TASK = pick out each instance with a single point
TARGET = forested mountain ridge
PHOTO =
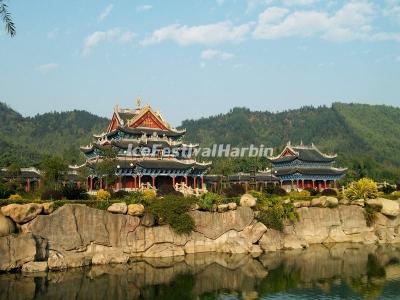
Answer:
(26, 140)
(365, 137)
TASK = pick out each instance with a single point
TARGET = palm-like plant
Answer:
(6, 16)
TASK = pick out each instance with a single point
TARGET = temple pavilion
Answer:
(149, 153)
(305, 167)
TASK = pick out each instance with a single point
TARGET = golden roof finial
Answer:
(138, 102)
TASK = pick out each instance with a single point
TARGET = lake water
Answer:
(321, 272)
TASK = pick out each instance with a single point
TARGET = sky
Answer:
(192, 59)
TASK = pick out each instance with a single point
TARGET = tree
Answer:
(6, 16)
(108, 165)
(54, 169)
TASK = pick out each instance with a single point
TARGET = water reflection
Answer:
(337, 271)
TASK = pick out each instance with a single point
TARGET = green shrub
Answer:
(103, 195)
(272, 217)
(136, 198)
(387, 189)
(299, 194)
(362, 189)
(15, 197)
(51, 194)
(167, 189)
(234, 190)
(207, 200)
(174, 211)
(370, 215)
(181, 224)
(121, 194)
(275, 190)
(313, 192)
(329, 192)
(5, 191)
(274, 213)
(72, 192)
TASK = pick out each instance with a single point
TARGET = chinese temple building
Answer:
(30, 178)
(149, 153)
(305, 167)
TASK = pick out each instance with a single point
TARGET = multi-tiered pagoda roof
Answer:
(132, 130)
(306, 164)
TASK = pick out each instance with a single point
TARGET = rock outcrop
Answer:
(22, 213)
(17, 250)
(7, 226)
(213, 225)
(76, 235)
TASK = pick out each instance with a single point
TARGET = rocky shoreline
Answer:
(76, 235)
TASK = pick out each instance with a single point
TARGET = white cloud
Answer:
(220, 2)
(144, 7)
(114, 34)
(127, 37)
(202, 34)
(46, 68)
(392, 10)
(209, 54)
(53, 33)
(353, 21)
(106, 11)
(298, 2)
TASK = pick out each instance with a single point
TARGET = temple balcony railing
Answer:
(299, 163)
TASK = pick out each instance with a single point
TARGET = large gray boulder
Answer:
(7, 226)
(135, 210)
(74, 227)
(213, 225)
(390, 208)
(22, 213)
(17, 250)
(248, 200)
(118, 208)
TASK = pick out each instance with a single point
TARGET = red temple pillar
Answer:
(302, 183)
(173, 181)
(101, 182)
(91, 183)
(40, 183)
(153, 181)
(292, 183)
(78, 184)
(313, 184)
(134, 182)
(334, 182)
(87, 183)
(324, 184)
(202, 181)
(140, 181)
(298, 183)
(194, 182)
(28, 185)
(186, 180)
(120, 182)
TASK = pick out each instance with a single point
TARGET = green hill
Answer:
(365, 137)
(27, 139)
